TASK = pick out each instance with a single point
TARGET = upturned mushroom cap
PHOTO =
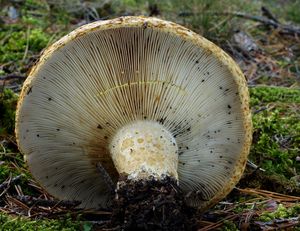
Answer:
(105, 75)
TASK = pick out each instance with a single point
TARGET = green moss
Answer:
(10, 223)
(12, 163)
(276, 139)
(8, 103)
(264, 94)
(15, 41)
(229, 226)
(4, 171)
(280, 213)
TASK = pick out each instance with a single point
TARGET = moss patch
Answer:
(8, 103)
(11, 223)
(280, 213)
(276, 139)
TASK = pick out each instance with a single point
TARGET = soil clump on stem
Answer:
(150, 205)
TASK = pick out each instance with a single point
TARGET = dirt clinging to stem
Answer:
(150, 205)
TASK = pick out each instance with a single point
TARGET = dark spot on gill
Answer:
(49, 99)
(220, 88)
(99, 126)
(57, 129)
(181, 128)
(197, 61)
(38, 135)
(162, 120)
(29, 90)
(105, 137)
(228, 106)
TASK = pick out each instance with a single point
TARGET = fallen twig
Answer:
(260, 110)
(279, 224)
(254, 166)
(29, 200)
(218, 224)
(10, 181)
(275, 196)
(285, 29)
(12, 76)
(267, 13)
(27, 44)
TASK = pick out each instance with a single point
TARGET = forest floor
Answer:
(263, 38)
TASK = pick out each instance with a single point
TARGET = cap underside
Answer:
(98, 82)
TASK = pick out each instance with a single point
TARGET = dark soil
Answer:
(150, 205)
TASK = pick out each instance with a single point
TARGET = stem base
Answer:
(150, 205)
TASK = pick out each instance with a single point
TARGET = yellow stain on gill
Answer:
(179, 88)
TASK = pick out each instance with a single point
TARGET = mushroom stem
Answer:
(145, 149)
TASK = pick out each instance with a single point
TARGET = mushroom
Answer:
(142, 97)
